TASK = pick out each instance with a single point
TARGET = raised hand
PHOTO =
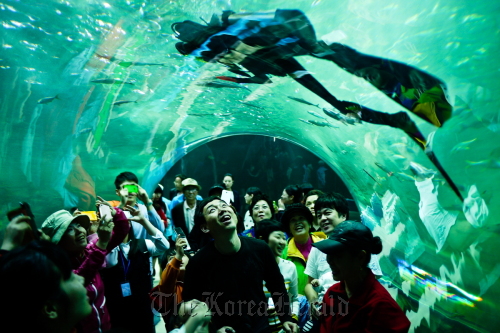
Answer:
(104, 232)
(290, 327)
(136, 214)
(142, 195)
(180, 243)
(101, 201)
(17, 233)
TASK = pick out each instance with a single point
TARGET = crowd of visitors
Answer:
(270, 268)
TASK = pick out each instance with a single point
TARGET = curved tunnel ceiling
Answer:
(64, 138)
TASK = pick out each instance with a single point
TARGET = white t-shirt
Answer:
(289, 272)
(156, 245)
(189, 215)
(248, 221)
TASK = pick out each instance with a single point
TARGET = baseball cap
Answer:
(350, 235)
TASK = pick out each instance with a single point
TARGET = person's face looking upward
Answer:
(79, 306)
(248, 198)
(228, 182)
(299, 226)
(277, 242)
(310, 201)
(328, 219)
(74, 240)
(286, 199)
(178, 184)
(219, 216)
(127, 198)
(261, 211)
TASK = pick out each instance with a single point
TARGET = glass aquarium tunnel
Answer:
(93, 88)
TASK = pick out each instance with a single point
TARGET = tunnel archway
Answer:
(263, 161)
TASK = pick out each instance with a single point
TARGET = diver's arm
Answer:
(295, 70)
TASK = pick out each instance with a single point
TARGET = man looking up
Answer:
(128, 189)
(228, 274)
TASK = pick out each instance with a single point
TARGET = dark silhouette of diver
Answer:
(265, 43)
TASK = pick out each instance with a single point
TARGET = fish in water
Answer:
(333, 114)
(316, 115)
(371, 177)
(217, 84)
(200, 114)
(123, 102)
(389, 173)
(462, 146)
(321, 123)
(111, 81)
(493, 164)
(303, 101)
(137, 63)
(399, 157)
(47, 100)
(350, 143)
(404, 176)
(129, 63)
(305, 121)
(337, 116)
(252, 105)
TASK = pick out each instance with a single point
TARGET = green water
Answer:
(64, 151)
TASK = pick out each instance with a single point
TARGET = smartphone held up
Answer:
(180, 234)
(105, 212)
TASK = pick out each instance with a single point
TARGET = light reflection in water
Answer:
(420, 278)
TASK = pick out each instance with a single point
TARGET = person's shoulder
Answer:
(204, 253)
(316, 255)
(380, 294)
(253, 242)
(286, 264)
(177, 205)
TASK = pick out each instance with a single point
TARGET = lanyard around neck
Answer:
(123, 260)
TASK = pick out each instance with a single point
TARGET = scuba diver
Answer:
(255, 45)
